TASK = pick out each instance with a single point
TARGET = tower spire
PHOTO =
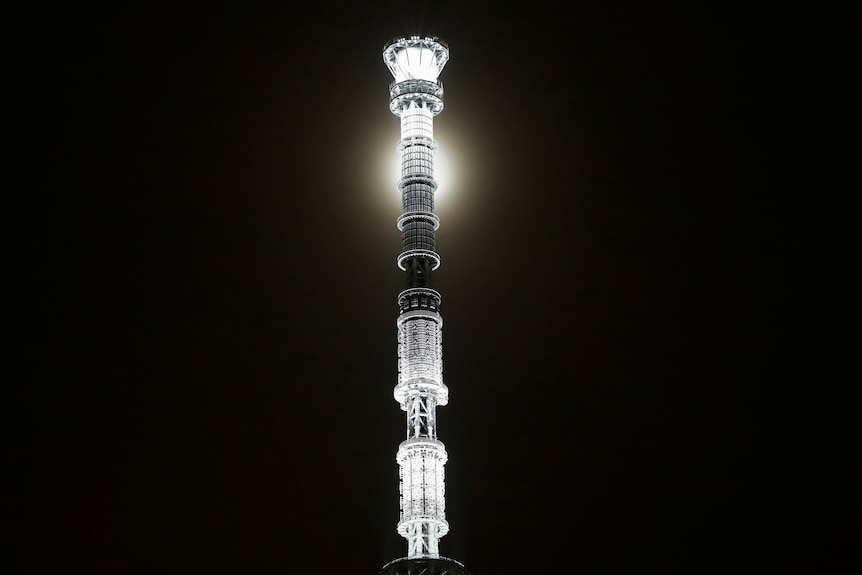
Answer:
(416, 96)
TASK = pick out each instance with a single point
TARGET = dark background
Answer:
(648, 283)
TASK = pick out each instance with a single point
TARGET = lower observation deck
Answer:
(406, 91)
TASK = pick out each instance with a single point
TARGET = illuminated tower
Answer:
(416, 96)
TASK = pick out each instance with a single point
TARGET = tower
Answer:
(416, 96)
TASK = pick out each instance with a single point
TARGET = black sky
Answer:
(648, 286)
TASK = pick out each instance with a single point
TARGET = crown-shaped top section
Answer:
(416, 58)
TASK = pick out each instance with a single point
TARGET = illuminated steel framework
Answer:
(416, 96)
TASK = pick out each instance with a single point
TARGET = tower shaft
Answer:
(416, 97)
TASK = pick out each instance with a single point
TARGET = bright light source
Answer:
(416, 58)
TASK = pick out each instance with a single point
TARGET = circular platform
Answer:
(424, 566)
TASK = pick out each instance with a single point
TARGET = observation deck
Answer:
(416, 58)
(415, 63)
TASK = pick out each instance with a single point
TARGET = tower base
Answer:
(424, 566)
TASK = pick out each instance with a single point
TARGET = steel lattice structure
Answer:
(416, 96)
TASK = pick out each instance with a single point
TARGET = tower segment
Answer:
(416, 96)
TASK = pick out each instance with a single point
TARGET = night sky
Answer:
(648, 287)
